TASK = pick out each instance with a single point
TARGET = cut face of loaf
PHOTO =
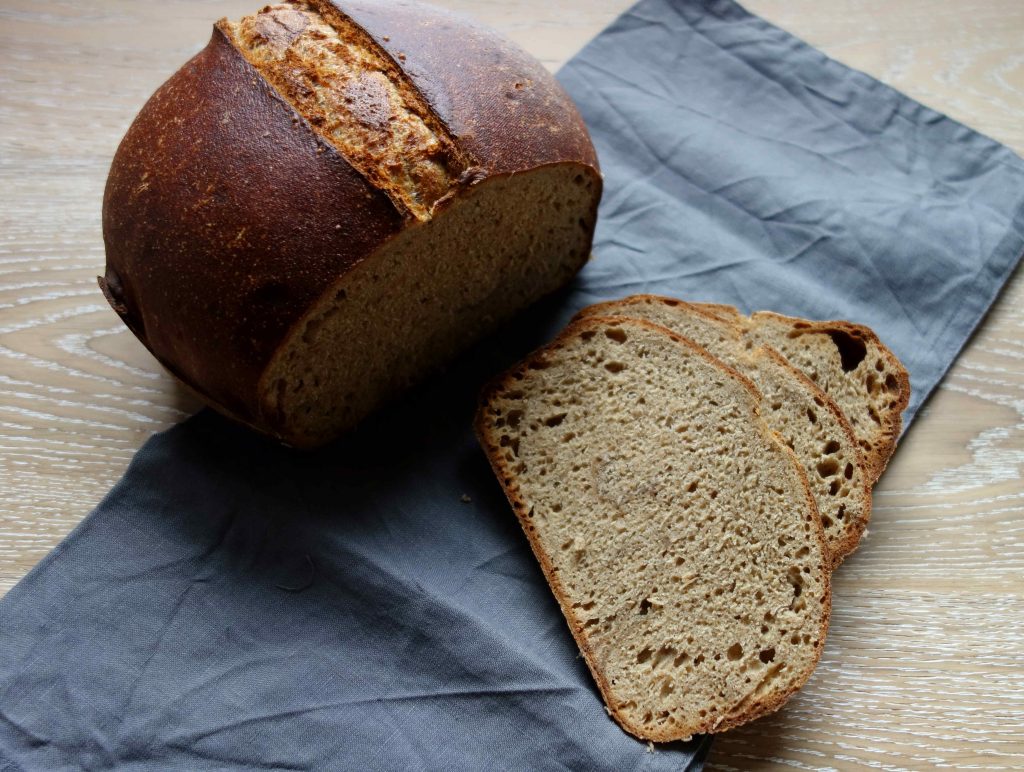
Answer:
(851, 364)
(675, 529)
(425, 296)
(804, 416)
(333, 199)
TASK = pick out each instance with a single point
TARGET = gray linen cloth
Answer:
(233, 604)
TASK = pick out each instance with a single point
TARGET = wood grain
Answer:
(922, 666)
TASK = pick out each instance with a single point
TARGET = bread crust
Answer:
(502, 106)
(507, 480)
(226, 217)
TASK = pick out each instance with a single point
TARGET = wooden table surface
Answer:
(924, 665)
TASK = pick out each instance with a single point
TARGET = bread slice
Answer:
(806, 418)
(847, 361)
(676, 530)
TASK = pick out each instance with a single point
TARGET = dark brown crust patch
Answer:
(356, 98)
(224, 218)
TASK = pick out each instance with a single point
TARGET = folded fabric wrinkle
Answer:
(236, 604)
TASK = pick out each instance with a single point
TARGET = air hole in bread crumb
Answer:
(830, 447)
(512, 444)
(614, 367)
(663, 655)
(645, 606)
(767, 655)
(587, 334)
(841, 512)
(828, 467)
(851, 348)
(643, 655)
(812, 416)
(735, 652)
(617, 335)
(555, 420)
(834, 487)
(692, 487)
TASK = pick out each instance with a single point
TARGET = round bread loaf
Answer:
(328, 202)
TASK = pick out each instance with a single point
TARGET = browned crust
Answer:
(837, 550)
(511, 488)
(720, 311)
(226, 217)
(884, 445)
(292, 77)
(503, 107)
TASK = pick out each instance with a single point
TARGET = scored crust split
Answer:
(675, 528)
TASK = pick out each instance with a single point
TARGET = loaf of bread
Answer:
(330, 200)
(849, 363)
(675, 528)
(803, 415)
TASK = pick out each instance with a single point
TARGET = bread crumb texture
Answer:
(355, 98)
(806, 418)
(854, 367)
(429, 292)
(676, 530)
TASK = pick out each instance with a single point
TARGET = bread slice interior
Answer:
(806, 418)
(676, 530)
(849, 363)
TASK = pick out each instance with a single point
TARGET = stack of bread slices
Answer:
(688, 478)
